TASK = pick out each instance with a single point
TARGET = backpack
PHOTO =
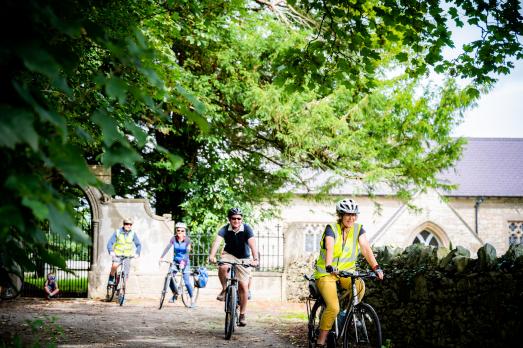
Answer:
(200, 277)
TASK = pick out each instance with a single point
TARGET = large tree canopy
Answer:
(202, 105)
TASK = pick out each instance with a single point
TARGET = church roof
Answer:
(490, 167)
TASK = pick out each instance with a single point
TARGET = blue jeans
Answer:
(186, 279)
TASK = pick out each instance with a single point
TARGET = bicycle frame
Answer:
(179, 285)
(120, 278)
(232, 310)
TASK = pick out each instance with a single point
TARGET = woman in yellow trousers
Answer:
(340, 246)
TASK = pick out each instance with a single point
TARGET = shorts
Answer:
(126, 264)
(242, 273)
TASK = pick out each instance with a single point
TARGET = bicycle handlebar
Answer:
(358, 274)
(346, 274)
(219, 263)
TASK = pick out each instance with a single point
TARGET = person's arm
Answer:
(252, 244)
(110, 244)
(189, 244)
(329, 248)
(138, 245)
(169, 245)
(369, 255)
(215, 245)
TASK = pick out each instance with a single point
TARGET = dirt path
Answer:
(139, 323)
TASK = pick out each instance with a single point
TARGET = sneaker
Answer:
(243, 322)
(221, 296)
(173, 299)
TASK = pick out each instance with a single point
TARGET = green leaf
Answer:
(69, 161)
(139, 134)
(116, 88)
(38, 208)
(109, 127)
(40, 61)
(45, 115)
(16, 126)
(119, 154)
(62, 223)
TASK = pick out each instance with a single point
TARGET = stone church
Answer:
(486, 206)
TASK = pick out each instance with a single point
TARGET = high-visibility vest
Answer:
(344, 254)
(124, 243)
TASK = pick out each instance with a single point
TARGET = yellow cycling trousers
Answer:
(327, 287)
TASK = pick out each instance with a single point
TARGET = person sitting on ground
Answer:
(51, 286)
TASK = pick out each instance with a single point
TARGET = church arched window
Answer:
(426, 237)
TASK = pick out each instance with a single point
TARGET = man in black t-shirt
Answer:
(239, 244)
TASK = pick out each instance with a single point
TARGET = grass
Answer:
(76, 285)
(295, 315)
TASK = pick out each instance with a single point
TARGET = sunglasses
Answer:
(235, 218)
(180, 230)
(127, 224)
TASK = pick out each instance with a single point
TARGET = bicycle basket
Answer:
(201, 277)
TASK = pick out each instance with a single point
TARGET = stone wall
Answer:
(147, 276)
(436, 298)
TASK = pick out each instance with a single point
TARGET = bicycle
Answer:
(232, 299)
(11, 283)
(357, 324)
(120, 279)
(179, 285)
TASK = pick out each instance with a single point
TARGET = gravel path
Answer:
(139, 323)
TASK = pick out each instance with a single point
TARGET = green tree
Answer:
(207, 104)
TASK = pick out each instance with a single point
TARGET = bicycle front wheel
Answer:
(121, 293)
(164, 291)
(230, 310)
(186, 299)
(363, 328)
(10, 285)
(314, 323)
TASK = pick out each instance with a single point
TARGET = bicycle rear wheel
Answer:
(363, 328)
(314, 322)
(10, 285)
(164, 291)
(112, 289)
(230, 310)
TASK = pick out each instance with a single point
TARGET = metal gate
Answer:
(73, 282)
(269, 242)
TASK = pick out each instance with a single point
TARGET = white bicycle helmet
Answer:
(347, 206)
(180, 225)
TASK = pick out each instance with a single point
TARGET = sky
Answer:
(499, 113)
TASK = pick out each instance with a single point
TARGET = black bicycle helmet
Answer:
(234, 211)
(347, 206)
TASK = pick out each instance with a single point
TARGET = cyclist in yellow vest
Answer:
(339, 249)
(123, 242)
